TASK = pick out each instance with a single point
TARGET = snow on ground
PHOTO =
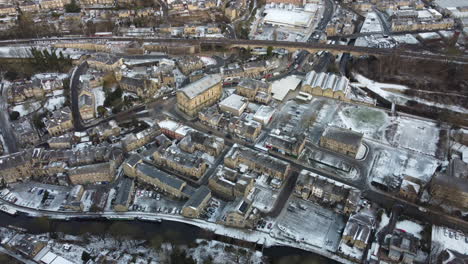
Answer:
(371, 122)
(2, 141)
(371, 24)
(396, 163)
(426, 139)
(446, 238)
(99, 96)
(223, 253)
(352, 252)
(384, 221)
(410, 227)
(296, 225)
(386, 90)
(405, 39)
(208, 60)
(54, 102)
(26, 108)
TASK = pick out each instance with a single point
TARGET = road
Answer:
(5, 126)
(74, 93)
(383, 21)
(327, 15)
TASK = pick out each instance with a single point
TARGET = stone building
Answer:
(257, 162)
(86, 102)
(180, 161)
(199, 94)
(60, 142)
(16, 166)
(124, 195)
(287, 145)
(255, 90)
(94, 173)
(133, 141)
(196, 140)
(359, 228)
(60, 121)
(240, 215)
(169, 184)
(326, 84)
(105, 62)
(195, 205)
(229, 183)
(341, 140)
(25, 132)
(311, 186)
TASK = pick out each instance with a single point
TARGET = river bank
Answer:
(168, 231)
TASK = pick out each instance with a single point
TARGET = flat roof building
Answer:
(234, 104)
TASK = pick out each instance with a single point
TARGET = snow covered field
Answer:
(418, 135)
(297, 225)
(396, 163)
(26, 108)
(371, 122)
(410, 227)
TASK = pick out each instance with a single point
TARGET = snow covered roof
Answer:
(289, 18)
(193, 89)
(234, 102)
(280, 88)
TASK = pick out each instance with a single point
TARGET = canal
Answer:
(166, 231)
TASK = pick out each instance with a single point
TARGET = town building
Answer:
(124, 194)
(16, 166)
(255, 90)
(401, 247)
(105, 62)
(25, 132)
(169, 184)
(86, 103)
(229, 183)
(257, 162)
(180, 161)
(133, 141)
(60, 142)
(195, 205)
(199, 94)
(234, 104)
(326, 84)
(240, 214)
(359, 229)
(286, 145)
(341, 140)
(59, 122)
(311, 186)
(94, 173)
(198, 141)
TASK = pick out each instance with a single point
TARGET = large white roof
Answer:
(288, 18)
(234, 101)
(280, 88)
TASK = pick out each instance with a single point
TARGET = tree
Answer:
(269, 51)
(102, 111)
(85, 256)
(14, 115)
(72, 7)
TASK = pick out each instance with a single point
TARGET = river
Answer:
(174, 232)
